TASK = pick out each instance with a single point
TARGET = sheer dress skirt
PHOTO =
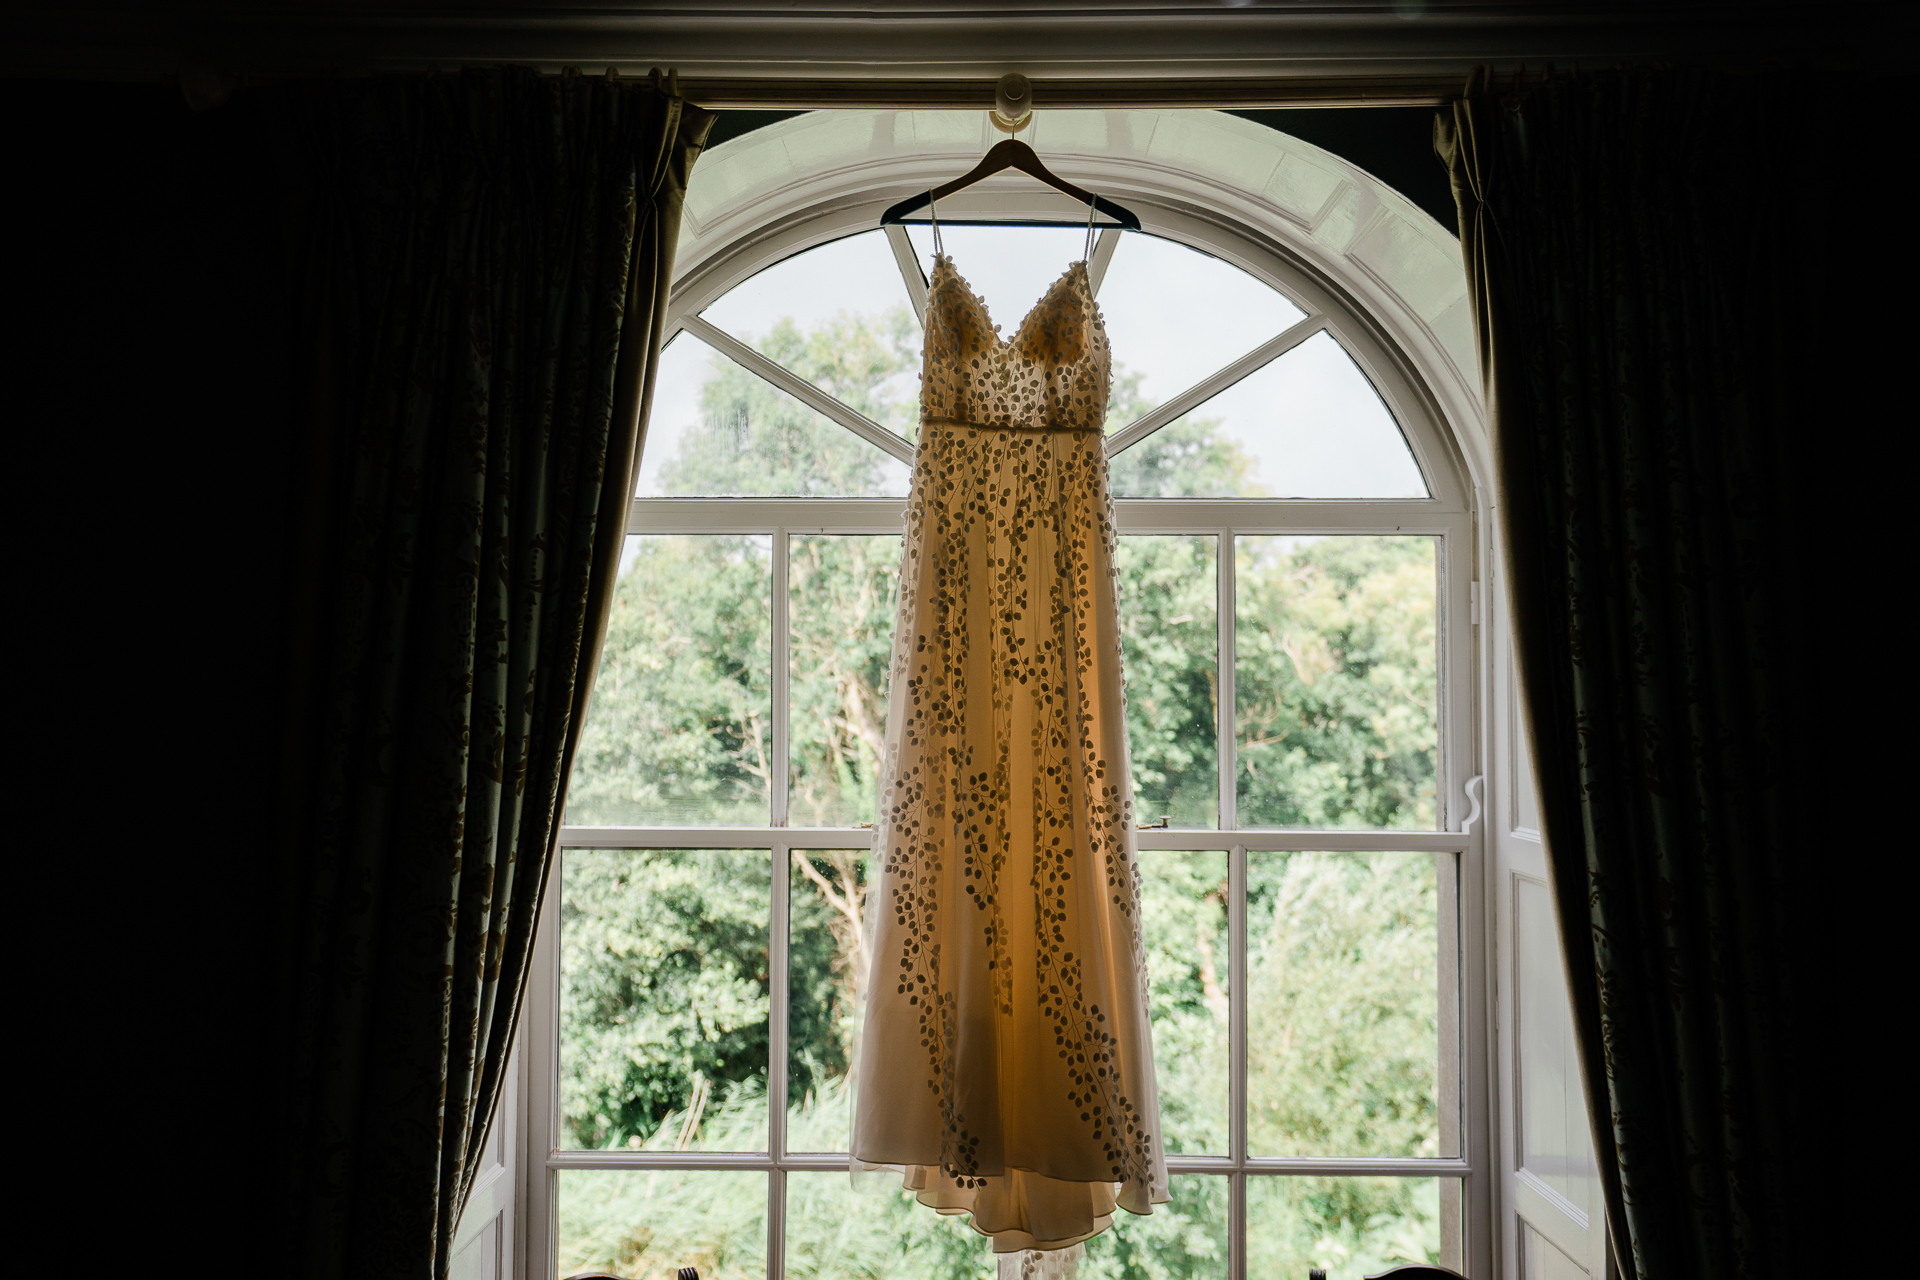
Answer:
(1006, 1066)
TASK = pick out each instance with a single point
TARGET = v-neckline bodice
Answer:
(1075, 272)
(1053, 373)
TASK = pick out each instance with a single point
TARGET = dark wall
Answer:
(146, 414)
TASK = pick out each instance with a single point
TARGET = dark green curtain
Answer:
(480, 271)
(1643, 285)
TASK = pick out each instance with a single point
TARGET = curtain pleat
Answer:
(481, 265)
(1638, 301)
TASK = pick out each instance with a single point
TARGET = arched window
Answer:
(1297, 531)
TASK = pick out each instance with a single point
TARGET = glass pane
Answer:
(1183, 911)
(855, 1229)
(1008, 267)
(664, 999)
(826, 1001)
(678, 732)
(1176, 315)
(854, 275)
(841, 610)
(1343, 1004)
(716, 430)
(842, 1230)
(1185, 1238)
(1170, 641)
(1309, 425)
(1349, 1227)
(837, 315)
(647, 1225)
(1336, 681)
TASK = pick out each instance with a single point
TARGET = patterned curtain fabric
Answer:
(1641, 305)
(481, 265)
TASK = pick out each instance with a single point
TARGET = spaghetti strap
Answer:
(1088, 255)
(933, 217)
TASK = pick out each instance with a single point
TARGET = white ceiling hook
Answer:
(1012, 103)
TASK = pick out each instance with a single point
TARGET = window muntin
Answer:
(1195, 892)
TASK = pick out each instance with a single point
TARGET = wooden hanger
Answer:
(1011, 154)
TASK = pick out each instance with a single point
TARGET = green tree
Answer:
(664, 991)
(842, 602)
(1337, 706)
(680, 728)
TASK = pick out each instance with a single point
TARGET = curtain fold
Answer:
(481, 264)
(1641, 304)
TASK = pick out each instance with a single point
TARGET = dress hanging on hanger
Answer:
(1006, 1067)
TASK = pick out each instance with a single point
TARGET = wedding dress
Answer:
(1006, 1068)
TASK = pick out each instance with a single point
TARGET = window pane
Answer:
(664, 999)
(1186, 1238)
(1343, 1035)
(826, 1000)
(856, 274)
(1336, 674)
(1309, 425)
(678, 732)
(1170, 641)
(842, 1230)
(841, 609)
(1183, 909)
(1008, 267)
(855, 1229)
(837, 315)
(1350, 1227)
(1175, 315)
(647, 1225)
(716, 430)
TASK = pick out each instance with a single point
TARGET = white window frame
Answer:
(1450, 515)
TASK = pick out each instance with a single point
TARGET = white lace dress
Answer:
(1006, 1067)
